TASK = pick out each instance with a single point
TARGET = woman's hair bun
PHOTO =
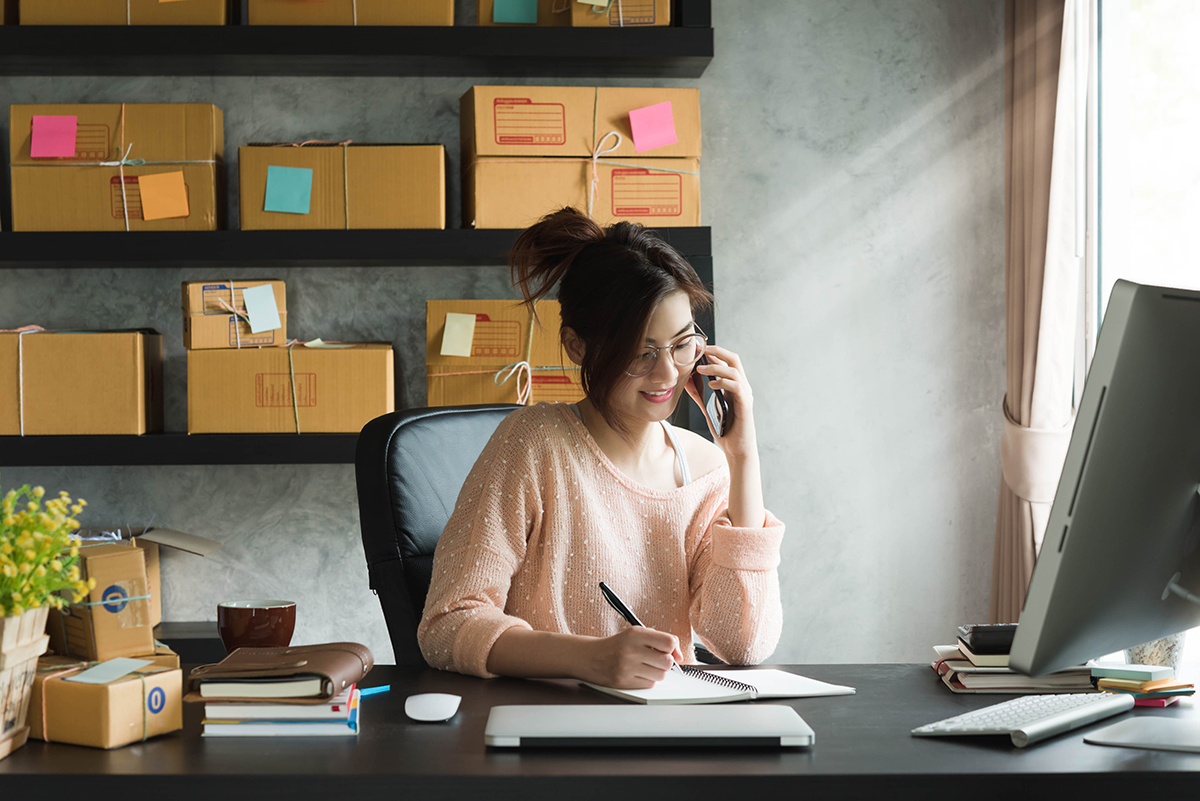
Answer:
(544, 251)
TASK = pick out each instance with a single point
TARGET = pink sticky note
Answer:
(53, 137)
(653, 126)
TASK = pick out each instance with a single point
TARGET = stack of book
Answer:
(1150, 685)
(964, 671)
(262, 718)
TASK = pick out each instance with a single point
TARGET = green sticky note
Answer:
(289, 189)
(520, 11)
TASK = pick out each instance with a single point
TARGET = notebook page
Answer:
(772, 683)
(677, 688)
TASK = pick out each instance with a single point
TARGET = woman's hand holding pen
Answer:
(634, 659)
(724, 372)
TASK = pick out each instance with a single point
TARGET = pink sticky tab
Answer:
(653, 126)
(53, 137)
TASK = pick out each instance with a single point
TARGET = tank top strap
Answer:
(679, 455)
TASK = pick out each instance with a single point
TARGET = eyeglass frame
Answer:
(696, 333)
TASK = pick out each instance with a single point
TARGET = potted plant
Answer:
(39, 553)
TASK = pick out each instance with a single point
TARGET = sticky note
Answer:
(108, 671)
(652, 126)
(521, 11)
(460, 331)
(289, 189)
(320, 343)
(163, 195)
(53, 137)
(601, 3)
(261, 308)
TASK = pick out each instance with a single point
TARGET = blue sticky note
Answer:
(520, 11)
(108, 671)
(289, 189)
(261, 308)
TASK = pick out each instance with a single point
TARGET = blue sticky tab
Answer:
(289, 189)
(519, 11)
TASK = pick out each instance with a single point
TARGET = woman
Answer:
(565, 496)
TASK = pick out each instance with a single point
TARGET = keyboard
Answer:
(1031, 718)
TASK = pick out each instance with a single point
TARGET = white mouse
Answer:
(431, 707)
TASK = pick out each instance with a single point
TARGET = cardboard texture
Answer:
(515, 193)
(342, 12)
(123, 12)
(133, 708)
(389, 186)
(501, 333)
(111, 626)
(557, 120)
(207, 324)
(250, 390)
(547, 15)
(81, 383)
(621, 13)
(48, 196)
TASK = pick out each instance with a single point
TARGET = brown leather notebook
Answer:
(303, 674)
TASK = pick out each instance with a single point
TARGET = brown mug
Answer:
(256, 623)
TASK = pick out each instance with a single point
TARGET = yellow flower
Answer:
(9, 519)
(17, 610)
(56, 565)
(91, 584)
(9, 570)
(32, 506)
(39, 492)
(40, 572)
(77, 508)
(30, 554)
(64, 494)
(26, 568)
(73, 573)
(82, 502)
(6, 548)
(75, 551)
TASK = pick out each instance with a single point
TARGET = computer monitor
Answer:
(1119, 564)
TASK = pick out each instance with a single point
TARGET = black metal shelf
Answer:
(667, 52)
(176, 448)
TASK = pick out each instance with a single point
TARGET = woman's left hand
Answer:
(725, 372)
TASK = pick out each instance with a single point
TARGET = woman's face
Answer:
(654, 396)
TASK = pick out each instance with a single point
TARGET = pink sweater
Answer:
(544, 516)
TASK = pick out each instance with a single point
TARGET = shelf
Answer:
(669, 52)
(452, 247)
(177, 449)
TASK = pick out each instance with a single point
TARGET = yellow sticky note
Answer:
(163, 196)
(460, 331)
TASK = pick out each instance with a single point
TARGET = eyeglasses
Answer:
(684, 352)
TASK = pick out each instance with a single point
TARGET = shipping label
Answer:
(520, 121)
(496, 337)
(632, 12)
(555, 388)
(249, 339)
(275, 389)
(646, 193)
(91, 142)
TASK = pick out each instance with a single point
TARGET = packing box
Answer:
(352, 12)
(388, 186)
(621, 13)
(48, 196)
(550, 13)
(501, 332)
(515, 193)
(337, 389)
(135, 707)
(123, 12)
(208, 324)
(163, 657)
(109, 626)
(103, 382)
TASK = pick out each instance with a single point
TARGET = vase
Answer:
(1167, 652)
(22, 640)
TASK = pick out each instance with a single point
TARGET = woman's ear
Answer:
(573, 345)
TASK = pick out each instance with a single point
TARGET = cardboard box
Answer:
(621, 13)
(123, 12)
(342, 12)
(250, 390)
(550, 14)
(389, 186)
(558, 120)
(135, 707)
(163, 657)
(208, 324)
(500, 336)
(48, 196)
(104, 382)
(109, 626)
(515, 193)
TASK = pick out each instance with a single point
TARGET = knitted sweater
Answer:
(544, 516)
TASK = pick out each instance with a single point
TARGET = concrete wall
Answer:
(853, 179)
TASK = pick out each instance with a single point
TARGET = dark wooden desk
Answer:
(863, 750)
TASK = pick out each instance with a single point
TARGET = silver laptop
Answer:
(721, 725)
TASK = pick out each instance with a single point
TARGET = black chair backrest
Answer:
(409, 467)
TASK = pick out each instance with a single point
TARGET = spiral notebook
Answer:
(697, 686)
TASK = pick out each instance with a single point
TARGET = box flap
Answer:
(192, 543)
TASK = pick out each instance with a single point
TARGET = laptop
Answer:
(707, 725)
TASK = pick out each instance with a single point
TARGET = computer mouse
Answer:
(431, 707)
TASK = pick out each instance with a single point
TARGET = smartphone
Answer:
(714, 401)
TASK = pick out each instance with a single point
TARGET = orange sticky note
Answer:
(163, 196)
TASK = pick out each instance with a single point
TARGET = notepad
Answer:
(697, 686)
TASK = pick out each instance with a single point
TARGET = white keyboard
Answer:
(1031, 718)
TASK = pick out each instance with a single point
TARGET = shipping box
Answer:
(550, 14)
(114, 620)
(76, 194)
(104, 382)
(352, 12)
(337, 389)
(208, 324)
(123, 12)
(499, 340)
(387, 186)
(130, 709)
(621, 14)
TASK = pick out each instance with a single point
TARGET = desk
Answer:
(863, 750)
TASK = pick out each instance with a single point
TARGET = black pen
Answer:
(625, 612)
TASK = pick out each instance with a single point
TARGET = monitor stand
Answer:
(1160, 734)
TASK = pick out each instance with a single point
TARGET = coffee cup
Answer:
(256, 623)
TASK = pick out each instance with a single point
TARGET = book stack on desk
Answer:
(268, 718)
(966, 672)
(1150, 685)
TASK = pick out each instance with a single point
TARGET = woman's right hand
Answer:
(634, 659)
